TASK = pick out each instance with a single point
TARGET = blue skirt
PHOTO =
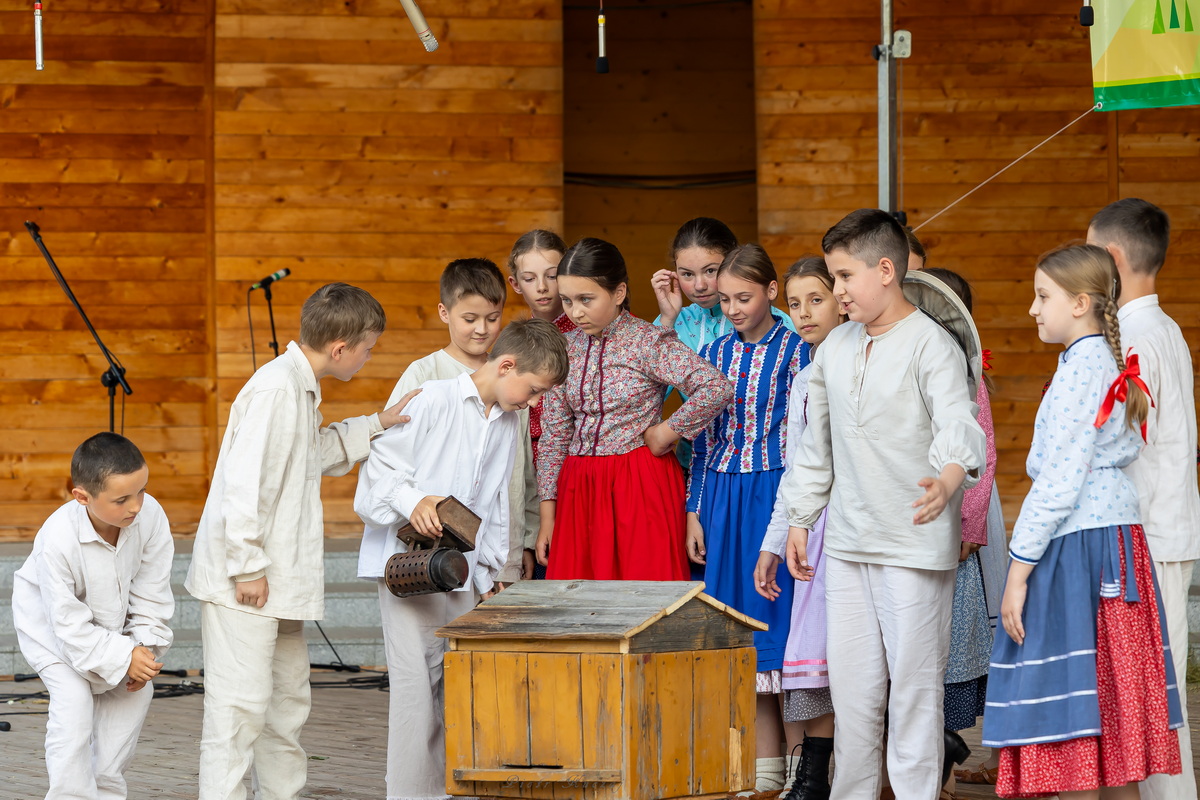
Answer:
(1045, 690)
(735, 513)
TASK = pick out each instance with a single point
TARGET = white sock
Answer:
(793, 762)
(768, 774)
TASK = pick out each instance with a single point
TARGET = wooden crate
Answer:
(596, 690)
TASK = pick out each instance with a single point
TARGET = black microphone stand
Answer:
(115, 374)
(271, 315)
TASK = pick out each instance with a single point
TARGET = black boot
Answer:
(956, 753)
(812, 776)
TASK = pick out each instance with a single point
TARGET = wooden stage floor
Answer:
(345, 738)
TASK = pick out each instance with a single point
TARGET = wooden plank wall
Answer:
(679, 100)
(105, 150)
(344, 151)
(986, 82)
(177, 150)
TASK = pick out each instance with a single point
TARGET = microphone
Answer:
(1087, 14)
(274, 276)
(420, 25)
(37, 36)
(602, 53)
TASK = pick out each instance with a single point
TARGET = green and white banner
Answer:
(1146, 53)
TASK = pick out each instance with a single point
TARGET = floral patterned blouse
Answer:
(615, 391)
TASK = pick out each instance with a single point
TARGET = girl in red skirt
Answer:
(1080, 696)
(612, 491)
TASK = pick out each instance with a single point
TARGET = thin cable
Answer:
(1096, 107)
(250, 320)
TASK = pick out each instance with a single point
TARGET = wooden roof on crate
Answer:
(662, 614)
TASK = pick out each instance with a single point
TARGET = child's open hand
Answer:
(660, 438)
(933, 502)
(424, 517)
(528, 562)
(797, 554)
(1012, 607)
(694, 541)
(392, 416)
(670, 299)
(765, 572)
(252, 593)
(142, 666)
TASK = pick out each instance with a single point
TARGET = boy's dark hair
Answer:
(533, 242)
(750, 263)
(339, 312)
(868, 235)
(102, 456)
(536, 345)
(599, 261)
(1142, 229)
(914, 244)
(707, 234)
(465, 276)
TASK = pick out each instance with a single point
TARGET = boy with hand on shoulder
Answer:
(91, 606)
(472, 292)
(462, 440)
(1136, 234)
(258, 560)
(891, 442)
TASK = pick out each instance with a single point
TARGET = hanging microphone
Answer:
(602, 57)
(420, 25)
(37, 36)
(274, 276)
(1087, 14)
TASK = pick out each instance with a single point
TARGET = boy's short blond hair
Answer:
(536, 346)
(466, 276)
(339, 312)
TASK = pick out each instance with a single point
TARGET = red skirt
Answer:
(619, 518)
(1135, 740)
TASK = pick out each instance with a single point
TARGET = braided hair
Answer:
(1088, 269)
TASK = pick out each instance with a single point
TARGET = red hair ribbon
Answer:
(1119, 391)
(986, 355)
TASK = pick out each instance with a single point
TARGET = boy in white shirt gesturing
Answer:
(91, 606)
(258, 560)
(1135, 233)
(461, 442)
(891, 438)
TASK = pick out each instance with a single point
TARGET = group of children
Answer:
(829, 470)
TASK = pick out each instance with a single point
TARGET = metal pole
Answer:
(888, 150)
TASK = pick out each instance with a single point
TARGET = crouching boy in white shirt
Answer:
(258, 561)
(461, 442)
(91, 606)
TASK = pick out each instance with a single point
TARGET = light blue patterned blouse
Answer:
(1075, 467)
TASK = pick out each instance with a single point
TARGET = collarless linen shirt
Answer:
(452, 446)
(83, 602)
(877, 425)
(1165, 471)
(263, 516)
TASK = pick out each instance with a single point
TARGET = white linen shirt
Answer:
(1165, 472)
(876, 426)
(263, 515)
(451, 447)
(524, 510)
(83, 602)
(1075, 466)
(775, 539)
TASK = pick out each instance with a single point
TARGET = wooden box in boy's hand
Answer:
(460, 526)
(600, 690)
